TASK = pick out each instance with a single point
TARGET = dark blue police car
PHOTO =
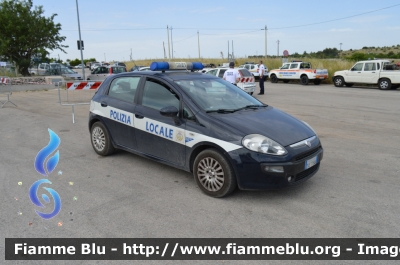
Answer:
(204, 125)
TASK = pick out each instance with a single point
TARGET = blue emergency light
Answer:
(165, 66)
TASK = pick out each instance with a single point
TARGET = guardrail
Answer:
(6, 82)
(77, 93)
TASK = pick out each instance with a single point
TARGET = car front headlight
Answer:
(262, 144)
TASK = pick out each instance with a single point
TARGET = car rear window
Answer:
(244, 72)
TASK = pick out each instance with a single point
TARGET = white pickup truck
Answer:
(379, 72)
(298, 70)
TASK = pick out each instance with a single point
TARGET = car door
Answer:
(293, 71)
(370, 74)
(159, 136)
(118, 106)
(354, 75)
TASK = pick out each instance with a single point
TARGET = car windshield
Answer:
(217, 95)
(67, 71)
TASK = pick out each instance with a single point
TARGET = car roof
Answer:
(172, 75)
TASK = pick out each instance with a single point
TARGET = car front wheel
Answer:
(213, 173)
(338, 81)
(274, 79)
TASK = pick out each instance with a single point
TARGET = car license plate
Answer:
(311, 162)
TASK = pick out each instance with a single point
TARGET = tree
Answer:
(25, 32)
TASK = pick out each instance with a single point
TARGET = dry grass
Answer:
(332, 65)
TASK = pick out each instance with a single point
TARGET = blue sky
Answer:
(110, 29)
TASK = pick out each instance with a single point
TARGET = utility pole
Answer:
(198, 42)
(228, 50)
(165, 56)
(278, 48)
(233, 55)
(169, 50)
(265, 42)
(80, 41)
(131, 54)
(172, 44)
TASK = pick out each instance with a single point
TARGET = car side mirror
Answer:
(169, 111)
(172, 112)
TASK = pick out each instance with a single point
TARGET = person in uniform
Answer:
(261, 71)
(232, 75)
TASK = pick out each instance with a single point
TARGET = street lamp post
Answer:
(80, 41)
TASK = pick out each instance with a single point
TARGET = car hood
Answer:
(270, 122)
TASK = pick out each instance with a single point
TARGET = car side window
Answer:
(286, 66)
(221, 73)
(357, 67)
(369, 67)
(158, 95)
(124, 88)
(212, 72)
(293, 65)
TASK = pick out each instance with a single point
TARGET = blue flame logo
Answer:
(40, 168)
(35, 200)
(45, 152)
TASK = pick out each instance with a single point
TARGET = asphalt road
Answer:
(354, 194)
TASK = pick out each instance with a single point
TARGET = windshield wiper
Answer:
(251, 107)
(221, 111)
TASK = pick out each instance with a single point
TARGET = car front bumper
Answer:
(250, 166)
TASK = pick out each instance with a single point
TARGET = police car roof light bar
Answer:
(165, 66)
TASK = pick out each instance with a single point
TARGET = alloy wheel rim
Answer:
(98, 139)
(210, 174)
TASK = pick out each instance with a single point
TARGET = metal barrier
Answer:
(5, 81)
(75, 93)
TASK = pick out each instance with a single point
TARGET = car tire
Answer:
(209, 164)
(285, 81)
(274, 79)
(101, 140)
(384, 84)
(338, 81)
(304, 80)
(251, 93)
(349, 84)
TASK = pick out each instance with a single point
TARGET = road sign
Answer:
(285, 53)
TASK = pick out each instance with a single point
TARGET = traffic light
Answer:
(80, 44)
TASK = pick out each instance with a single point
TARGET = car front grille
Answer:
(306, 172)
(306, 154)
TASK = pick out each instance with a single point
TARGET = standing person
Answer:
(232, 75)
(261, 71)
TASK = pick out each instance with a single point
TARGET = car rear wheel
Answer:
(304, 80)
(213, 173)
(101, 140)
(338, 81)
(274, 79)
(385, 84)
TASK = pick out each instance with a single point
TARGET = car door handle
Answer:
(103, 104)
(139, 116)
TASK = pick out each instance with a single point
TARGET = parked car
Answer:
(68, 73)
(119, 64)
(298, 70)
(246, 81)
(379, 72)
(79, 66)
(137, 68)
(101, 72)
(94, 66)
(253, 69)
